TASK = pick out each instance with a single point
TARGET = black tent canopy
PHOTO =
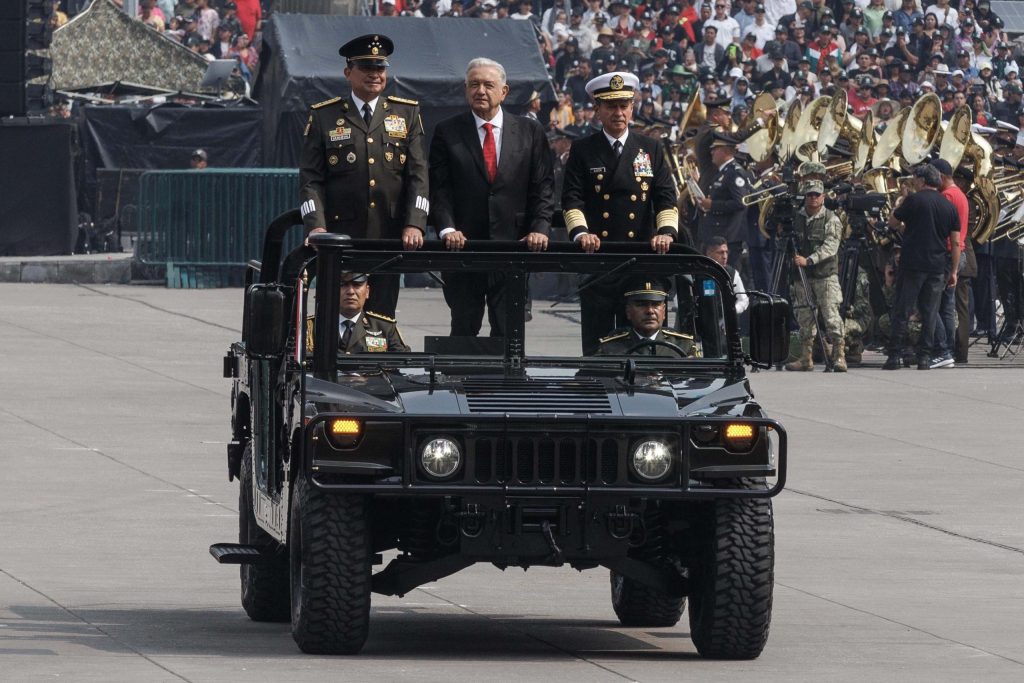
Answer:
(301, 66)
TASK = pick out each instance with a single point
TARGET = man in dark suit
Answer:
(709, 53)
(363, 169)
(491, 177)
(617, 186)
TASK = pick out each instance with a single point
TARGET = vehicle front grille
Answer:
(558, 461)
(536, 396)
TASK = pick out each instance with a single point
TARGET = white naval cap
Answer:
(616, 85)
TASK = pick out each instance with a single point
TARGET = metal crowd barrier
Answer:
(204, 226)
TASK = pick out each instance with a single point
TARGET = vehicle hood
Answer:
(546, 392)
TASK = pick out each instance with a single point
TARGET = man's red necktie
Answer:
(490, 152)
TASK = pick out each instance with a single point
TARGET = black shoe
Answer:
(908, 361)
(924, 363)
(892, 363)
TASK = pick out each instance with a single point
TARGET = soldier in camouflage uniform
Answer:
(819, 233)
(859, 316)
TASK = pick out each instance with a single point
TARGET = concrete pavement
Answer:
(900, 542)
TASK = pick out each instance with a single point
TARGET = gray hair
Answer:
(480, 62)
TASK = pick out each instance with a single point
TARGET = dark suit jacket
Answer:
(720, 62)
(521, 199)
(620, 197)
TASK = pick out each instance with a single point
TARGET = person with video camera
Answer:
(818, 234)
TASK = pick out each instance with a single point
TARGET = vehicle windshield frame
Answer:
(338, 253)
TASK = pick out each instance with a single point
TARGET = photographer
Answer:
(818, 233)
(927, 220)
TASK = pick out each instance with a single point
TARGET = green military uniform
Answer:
(372, 333)
(859, 317)
(884, 322)
(621, 340)
(818, 239)
(364, 181)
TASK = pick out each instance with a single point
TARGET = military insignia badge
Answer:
(395, 126)
(644, 186)
(616, 83)
(388, 156)
(339, 122)
(340, 134)
(376, 344)
(333, 160)
(351, 158)
(401, 158)
(740, 182)
(642, 165)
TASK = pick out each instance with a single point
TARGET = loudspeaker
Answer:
(24, 25)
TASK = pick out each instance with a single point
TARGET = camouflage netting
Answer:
(104, 45)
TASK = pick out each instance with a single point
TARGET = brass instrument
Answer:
(865, 145)
(956, 136)
(838, 124)
(921, 129)
(764, 194)
(672, 152)
(985, 197)
(695, 115)
(888, 146)
(789, 128)
(762, 142)
(808, 127)
(979, 152)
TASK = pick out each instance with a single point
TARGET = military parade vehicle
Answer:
(379, 472)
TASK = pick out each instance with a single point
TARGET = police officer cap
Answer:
(615, 85)
(723, 140)
(372, 49)
(646, 289)
(348, 276)
(812, 186)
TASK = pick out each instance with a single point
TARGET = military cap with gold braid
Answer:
(646, 289)
(372, 49)
(616, 85)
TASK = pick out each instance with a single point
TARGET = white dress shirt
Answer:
(359, 104)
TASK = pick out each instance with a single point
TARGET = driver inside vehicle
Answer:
(359, 330)
(646, 302)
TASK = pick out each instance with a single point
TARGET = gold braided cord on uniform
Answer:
(666, 218)
(574, 218)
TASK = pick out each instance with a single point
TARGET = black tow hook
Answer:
(471, 521)
(621, 522)
(556, 556)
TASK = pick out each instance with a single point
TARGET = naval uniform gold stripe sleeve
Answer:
(575, 218)
(667, 218)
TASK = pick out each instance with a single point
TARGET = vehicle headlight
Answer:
(440, 458)
(652, 460)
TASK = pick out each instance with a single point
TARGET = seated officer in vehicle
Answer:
(359, 330)
(646, 306)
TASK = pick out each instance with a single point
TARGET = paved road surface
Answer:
(900, 540)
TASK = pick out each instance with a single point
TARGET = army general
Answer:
(617, 186)
(363, 168)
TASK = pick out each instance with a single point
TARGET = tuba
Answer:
(888, 146)
(808, 127)
(762, 141)
(956, 136)
(789, 128)
(921, 129)
(695, 115)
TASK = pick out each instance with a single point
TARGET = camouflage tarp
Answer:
(104, 45)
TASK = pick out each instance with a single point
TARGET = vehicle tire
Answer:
(265, 595)
(638, 605)
(330, 566)
(731, 584)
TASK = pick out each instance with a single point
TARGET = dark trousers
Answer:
(945, 322)
(963, 319)
(466, 294)
(601, 311)
(383, 297)
(1008, 283)
(916, 287)
(984, 295)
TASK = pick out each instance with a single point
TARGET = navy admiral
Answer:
(617, 186)
(722, 209)
(646, 307)
(360, 330)
(363, 170)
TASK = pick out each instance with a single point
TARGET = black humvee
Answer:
(660, 469)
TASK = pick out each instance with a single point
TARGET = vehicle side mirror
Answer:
(263, 321)
(769, 333)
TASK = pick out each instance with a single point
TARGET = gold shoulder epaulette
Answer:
(379, 316)
(673, 333)
(402, 100)
(613, 337)
(326, 102)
